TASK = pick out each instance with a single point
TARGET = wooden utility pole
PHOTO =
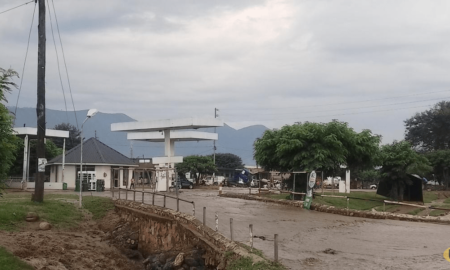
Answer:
(40, 107)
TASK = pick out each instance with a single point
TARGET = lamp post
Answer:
(90, 114)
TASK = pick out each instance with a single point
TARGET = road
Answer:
(315, 240)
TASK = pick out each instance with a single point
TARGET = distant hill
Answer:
(238, 142)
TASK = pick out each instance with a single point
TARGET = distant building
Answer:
(107, 164)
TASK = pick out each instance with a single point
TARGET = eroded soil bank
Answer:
(82, 247)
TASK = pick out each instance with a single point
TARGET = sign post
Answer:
(309, 192)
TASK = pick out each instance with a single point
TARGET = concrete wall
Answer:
(162, 229)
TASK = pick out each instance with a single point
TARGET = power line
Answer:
(24, 63)
(65, 64)
(57, 61)
(16, 7)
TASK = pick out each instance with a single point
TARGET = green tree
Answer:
(398, 160)
(74, 136)
(440, 160)
(8, 141)
(430, 130)
(228, 161)
(6, 84)
(316, 146)
(200, 165)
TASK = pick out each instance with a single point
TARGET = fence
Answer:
(154, 194)
(153, 197)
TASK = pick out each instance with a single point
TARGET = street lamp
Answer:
(90, 114)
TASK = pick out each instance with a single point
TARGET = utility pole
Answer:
(40, 107)
(214, 142)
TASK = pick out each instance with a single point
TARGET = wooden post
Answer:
(193, 209)
(217, 222)
(275, 241)
(164, 201)
(40, 107)
(126, 194)
(293, 188)
(134, 195)
(153, 199)
(204, 216)
(112, 190)
(178, 205)
(231, 228)
(250, 227)
(142, 196)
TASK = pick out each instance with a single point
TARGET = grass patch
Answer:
(10, 262)
(279, 196)
(429, 196)
(435, 213)
(54, 209)
(415, 211)
(248, 264)
(388, 208)
(354, 203)
(98, 206)
(447, 201)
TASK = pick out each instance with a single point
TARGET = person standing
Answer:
(132, 183)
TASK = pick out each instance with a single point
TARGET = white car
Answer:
(433, 183)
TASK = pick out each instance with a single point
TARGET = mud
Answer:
(78, 248)
(357, 243)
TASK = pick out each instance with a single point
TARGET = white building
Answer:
(108, 164)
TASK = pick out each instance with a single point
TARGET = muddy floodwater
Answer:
(316, 240)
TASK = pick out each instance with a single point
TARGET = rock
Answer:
(179, 260)
(190, 261)
(31, 217)
(45, 226)
(168, 266)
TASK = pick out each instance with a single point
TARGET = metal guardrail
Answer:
(153, 197)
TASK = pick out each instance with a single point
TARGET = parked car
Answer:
(373, 187)
(433, 183)
(184, 183)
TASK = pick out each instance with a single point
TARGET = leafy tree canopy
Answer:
(200, 165)
(8, 141)
(74, 136)
(6, 84)
(309, 146)
(430, 130)
(228, 161)
(398, 160)
(440, 160)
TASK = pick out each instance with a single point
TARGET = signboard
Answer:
(309, 193)
(41, 164)
(307, 202)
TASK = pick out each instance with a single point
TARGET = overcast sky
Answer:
(372, 64)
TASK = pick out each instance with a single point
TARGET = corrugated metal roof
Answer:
(94, 152)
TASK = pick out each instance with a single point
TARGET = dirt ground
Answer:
(80, 248)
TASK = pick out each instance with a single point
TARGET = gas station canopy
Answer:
(32, 132)
(167, 124)
(177, 136)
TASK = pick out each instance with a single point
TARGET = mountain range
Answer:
(238, 142)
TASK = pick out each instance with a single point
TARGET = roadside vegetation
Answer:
(247, 263)
(60, 210)
(9, 262)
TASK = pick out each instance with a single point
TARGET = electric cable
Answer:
(16, 7)
(65, 64)
(24, 63)
(57, 61)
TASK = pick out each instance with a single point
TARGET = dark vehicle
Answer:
(240, 179)
(184, 183)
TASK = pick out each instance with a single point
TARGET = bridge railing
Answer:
(153, 194)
